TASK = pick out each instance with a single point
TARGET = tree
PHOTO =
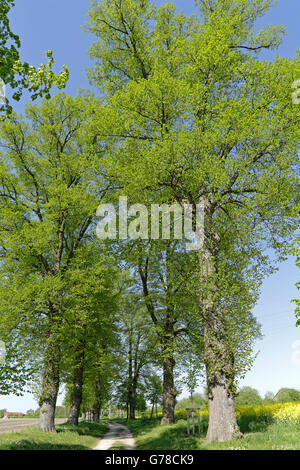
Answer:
(268, 398)
(139, 345)
(191, 376)
(60, 412)
(91, 302)
(19, 75)
(296, 252)
(193, 115)
(154, 391)
(47, 207)
(198, 402)
(248, 396)
(160, 274)
(286, 395)
(19, 366)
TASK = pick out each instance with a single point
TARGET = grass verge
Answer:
(150, 435)
(67, 437)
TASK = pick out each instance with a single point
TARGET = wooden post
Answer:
(199, 419)
(193, 420)
(188, 420)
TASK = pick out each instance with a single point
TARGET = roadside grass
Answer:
(67, 437)
(150, 435)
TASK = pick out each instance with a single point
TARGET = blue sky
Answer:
(57, 25)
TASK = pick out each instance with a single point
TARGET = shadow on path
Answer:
(117, 433)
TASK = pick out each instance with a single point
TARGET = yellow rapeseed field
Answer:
(253, 418)
(288, 412)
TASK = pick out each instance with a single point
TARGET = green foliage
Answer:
(18, 75)
(193, 114)
(61, 412)
(248, 396)
(296, 252)
(55, 279)
(198, 402)
(285, 395)
(153, 389)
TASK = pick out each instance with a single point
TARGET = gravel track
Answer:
(117, 433)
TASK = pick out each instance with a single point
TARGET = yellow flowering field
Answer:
(288, 412)
(253, 418)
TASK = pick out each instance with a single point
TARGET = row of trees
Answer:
(188, 113)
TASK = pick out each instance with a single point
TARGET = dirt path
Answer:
(117, 433)
(16, 424)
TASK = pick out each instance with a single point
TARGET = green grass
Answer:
(67, 437)
(150, 435)
(117, 446)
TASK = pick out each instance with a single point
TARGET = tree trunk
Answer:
(97, 401)
(76, 395)
(132, 396)
(169, 391)
(96, 415)
(50, 385)
(219, 360)
(222, 421)
(220, 383)
(131, 389)
(152, 409)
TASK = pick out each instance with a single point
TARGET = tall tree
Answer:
(296, 253)
(48, 200)
(90, 303)
(154, 391)
(195, 115)
(139, 345)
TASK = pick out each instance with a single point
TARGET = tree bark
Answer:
(132, 399)
(152, 409)
(220, 379)
(50, 385)
(96, 415)
(169, 390)
(219, 360)
(166, 339)
(97, 402)
(131, 377)
(76, 395)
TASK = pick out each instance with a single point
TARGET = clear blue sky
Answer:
(57, 25)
